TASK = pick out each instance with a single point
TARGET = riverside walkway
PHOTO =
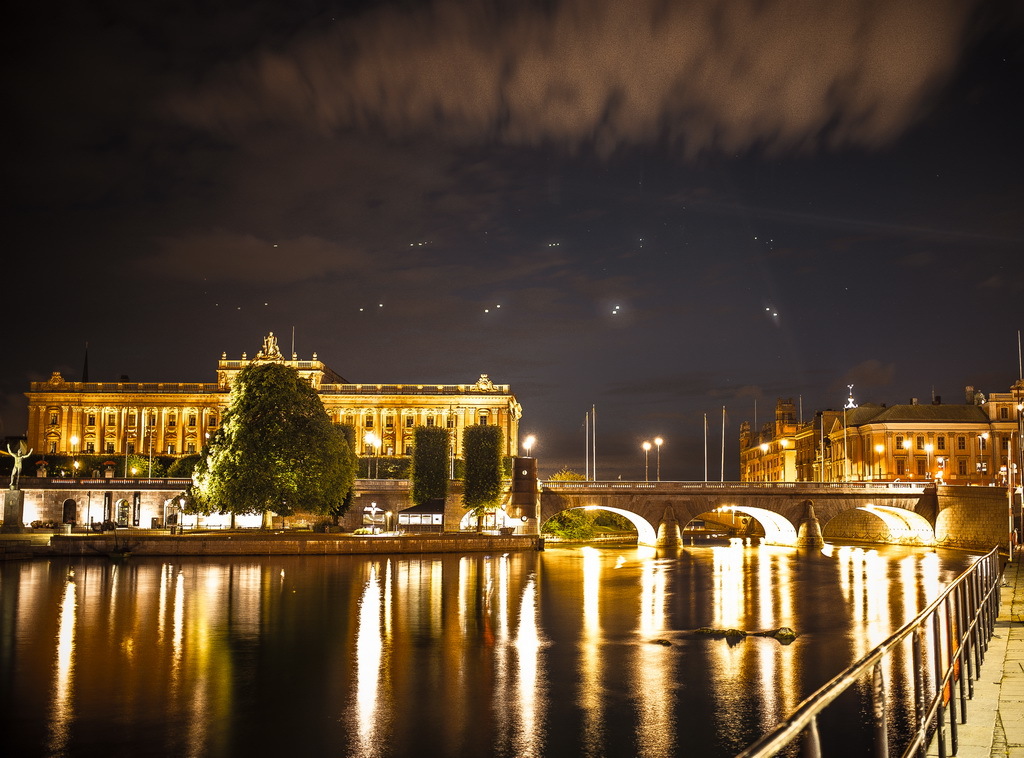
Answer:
(995, 716)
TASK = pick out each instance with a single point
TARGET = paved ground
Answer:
(995, 725)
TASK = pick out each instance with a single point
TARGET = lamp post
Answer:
(647, 451)
(906, 446)
(373, 441)
(928, 450)
(981, 465)
(879, 449)
(657, 443)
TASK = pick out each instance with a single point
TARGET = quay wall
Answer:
(147, 543)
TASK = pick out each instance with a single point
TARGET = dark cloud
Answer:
(703, 75)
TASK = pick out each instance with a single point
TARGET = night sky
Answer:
(655, 208)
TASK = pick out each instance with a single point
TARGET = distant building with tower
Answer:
(974, 442)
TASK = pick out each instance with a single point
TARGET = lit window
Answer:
(53, 418)
(389, 421)
(90, 447)
(191, 448)
(172, 420)
(170, 449)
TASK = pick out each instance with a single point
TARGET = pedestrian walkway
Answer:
(995, 716)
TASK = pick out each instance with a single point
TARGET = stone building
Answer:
(974, 442)
(167, 418)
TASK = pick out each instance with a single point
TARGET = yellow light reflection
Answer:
(654, 669)
(62, 709)
(369, 654)
(529, 738)
(591, 695)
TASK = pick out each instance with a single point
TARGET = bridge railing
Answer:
(817, 486)
(947, 641)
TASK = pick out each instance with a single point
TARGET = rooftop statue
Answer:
(270, 351)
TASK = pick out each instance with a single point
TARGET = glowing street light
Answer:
(528, 444)
(647, 451)
(879, 449)
(657, 443)
(373, 441)
(928, 449)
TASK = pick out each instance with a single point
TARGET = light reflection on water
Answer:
(587, 651)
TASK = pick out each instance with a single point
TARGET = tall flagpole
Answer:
(705, 446)
(723, 443)
(593, 440)
(586, 446)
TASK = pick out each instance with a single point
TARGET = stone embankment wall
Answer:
(973, 518)
(144, 543)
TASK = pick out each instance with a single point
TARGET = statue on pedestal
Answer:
(23, 451)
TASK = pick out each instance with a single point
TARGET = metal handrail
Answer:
(962, 621)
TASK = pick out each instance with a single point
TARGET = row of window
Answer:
(940, 442)
(172, 420)
(108, 448)
(410, 421)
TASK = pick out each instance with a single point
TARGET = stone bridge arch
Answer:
(900, 515)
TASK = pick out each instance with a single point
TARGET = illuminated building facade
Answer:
(128, 418)
(977, 442)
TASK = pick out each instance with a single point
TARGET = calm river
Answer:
(523, 654)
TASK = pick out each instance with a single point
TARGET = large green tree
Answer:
(430, 445)
(481, 446)
(275, 451)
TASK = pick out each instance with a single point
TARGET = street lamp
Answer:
(879, 449)
(528, 444)
(658, 442)
(647, 451)
(928, 450)
(373, 441)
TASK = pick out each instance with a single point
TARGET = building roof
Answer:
(932, 413)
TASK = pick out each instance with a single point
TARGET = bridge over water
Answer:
(899, 512)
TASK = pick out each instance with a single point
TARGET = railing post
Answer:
(940, 684)
(810, 746)
(919, 687)
(879, 708)
(953, 656)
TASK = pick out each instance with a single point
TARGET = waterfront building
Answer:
(975, 442)
(166, 418)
